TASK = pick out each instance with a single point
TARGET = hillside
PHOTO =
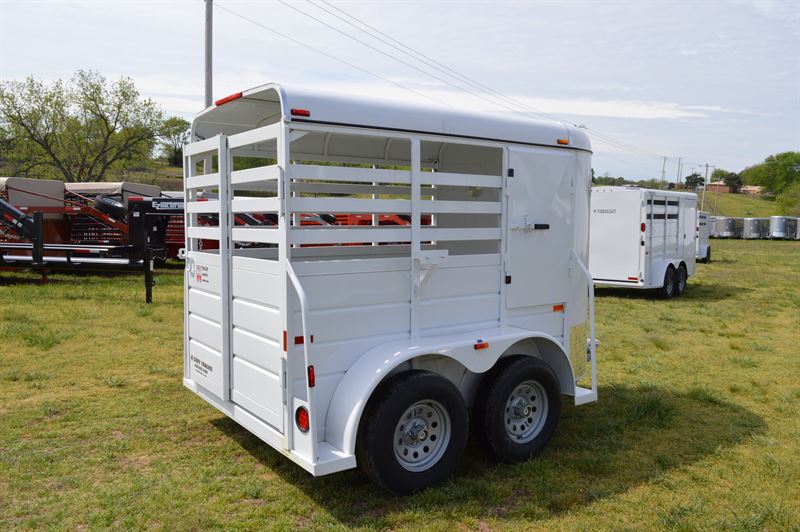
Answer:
(740, 205)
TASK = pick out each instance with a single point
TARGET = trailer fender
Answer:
(356, 387)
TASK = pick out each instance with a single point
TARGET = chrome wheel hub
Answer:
(421, 435)
(526, 411)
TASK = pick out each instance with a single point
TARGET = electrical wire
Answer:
(328, 55)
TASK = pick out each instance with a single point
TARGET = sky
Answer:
(712, 82)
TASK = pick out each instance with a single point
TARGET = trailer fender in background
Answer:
(364, 376)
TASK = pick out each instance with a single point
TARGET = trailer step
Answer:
(584, 395)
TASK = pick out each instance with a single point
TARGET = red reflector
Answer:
(285, 340)
(311, 377)
(300, 112)
(633, 278)
(643, 227)
(299, 340)
(301, 418)
(558, 308)
(226, 99)
(136, 198)
(480, 344)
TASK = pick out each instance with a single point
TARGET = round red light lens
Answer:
(301, 418)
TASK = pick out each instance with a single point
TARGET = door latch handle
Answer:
(527, 227)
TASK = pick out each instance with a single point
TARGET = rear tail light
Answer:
(302, 419)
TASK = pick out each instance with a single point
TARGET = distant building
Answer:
(718, 186)
(752, 190)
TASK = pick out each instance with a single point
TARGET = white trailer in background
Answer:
(343, 343)
(703, 247)
(643, 238)
(755, 228)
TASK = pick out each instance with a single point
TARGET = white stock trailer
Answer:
(345, 344)
(643, 238)
(703, 247)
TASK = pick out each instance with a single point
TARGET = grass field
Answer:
(740, 205)
(697, 427)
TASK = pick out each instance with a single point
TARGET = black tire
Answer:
(383, 435)
(680, 280)
(708, 255)
(494, 420)
(109, 206)
(667, 290)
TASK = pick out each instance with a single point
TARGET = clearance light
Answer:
(558, 308)
(300, 112)
(644, 226)
(563, 142)
(301, 418)
(230, 98)
(480, 344)
(633, 278)
(312, 379)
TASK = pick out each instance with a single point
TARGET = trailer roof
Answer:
(641, 189)
(272, 102)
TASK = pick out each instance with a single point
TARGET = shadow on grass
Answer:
(703, 291)
(634, 435)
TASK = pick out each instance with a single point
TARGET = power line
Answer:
(466, 79)
(430, 63)
(330, 56)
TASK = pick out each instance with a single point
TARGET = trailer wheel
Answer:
(680, 282)
(413, 432)
(519, 409)
(109, 206)
(667, 290)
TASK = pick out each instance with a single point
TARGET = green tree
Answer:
(776, 173)
(77, 130)
(174, 133)
(733, 180)
(693, 181)
(718, 174)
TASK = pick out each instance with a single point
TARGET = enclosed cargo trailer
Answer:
(367, 344)
(703, 246)
(643, 238)
(755, 228)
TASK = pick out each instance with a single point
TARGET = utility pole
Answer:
(705, 184)
(208, 64)
(663, 172)
(209, 50)
(678, 177)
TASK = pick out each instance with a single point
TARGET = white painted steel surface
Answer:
(359, 272)
(638, 233)
(702, 246)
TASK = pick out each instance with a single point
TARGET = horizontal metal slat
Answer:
(324, 235)
(203, 206)
(205, 180)
(466, 233)
(207, 146)
(459, 207)
(347, 205)
(343, 173)
(207, 233)
(462, 180)
(259, 173)
(261, 235)
(255, 205)
(254, 136)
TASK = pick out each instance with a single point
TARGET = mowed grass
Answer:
(697, 427)
(739, 205)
